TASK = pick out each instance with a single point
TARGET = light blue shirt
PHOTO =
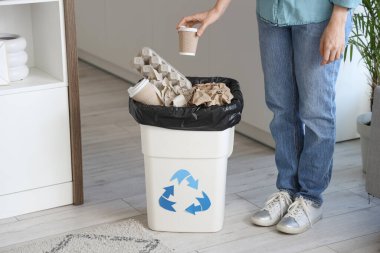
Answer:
(299, 12)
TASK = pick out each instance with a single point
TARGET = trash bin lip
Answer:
(215, 144)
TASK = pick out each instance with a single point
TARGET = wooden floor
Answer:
(114, 188)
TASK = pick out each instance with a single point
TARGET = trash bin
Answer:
(185, 176)
(185, 157)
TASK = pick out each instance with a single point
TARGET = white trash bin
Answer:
(185, 177)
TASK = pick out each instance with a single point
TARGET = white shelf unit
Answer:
(37, 80)
(35, 145)
(42, 25)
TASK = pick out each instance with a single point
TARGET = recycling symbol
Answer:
(200, 205)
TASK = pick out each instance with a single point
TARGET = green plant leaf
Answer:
(345, 53)
(351, 51)
(366, 39)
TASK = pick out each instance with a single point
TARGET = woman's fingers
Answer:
(324, 49)
(333, 53)
(204, 19)
(329, 52)
(182, 22)
(330, 55)
(325, 54)
(321, 46)
(189, 21)
(192, 23)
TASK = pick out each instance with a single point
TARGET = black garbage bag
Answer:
(195, 118)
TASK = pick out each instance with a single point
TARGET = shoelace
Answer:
(298, 206)
(276, 197)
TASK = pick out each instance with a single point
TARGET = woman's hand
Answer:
(333, 38)
(204, 19)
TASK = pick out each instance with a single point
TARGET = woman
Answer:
(301, 45)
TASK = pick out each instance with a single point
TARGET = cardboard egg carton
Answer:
(155, 68)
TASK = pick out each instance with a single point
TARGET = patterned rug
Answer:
(127, 236)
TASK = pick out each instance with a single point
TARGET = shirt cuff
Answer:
(350, 4)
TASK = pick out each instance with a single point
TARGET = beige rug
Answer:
(126, 236)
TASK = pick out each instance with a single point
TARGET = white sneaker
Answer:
(274, 209)
(302, 214)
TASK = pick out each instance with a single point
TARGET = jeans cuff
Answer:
(291, 193)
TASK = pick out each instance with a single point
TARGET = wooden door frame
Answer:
(73, 89)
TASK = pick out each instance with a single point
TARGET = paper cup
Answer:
(145, 92)
(188, 40)
(179, 101)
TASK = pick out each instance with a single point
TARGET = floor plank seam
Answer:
(332, 248)
(256, 205)
(348, 239)
(129, 204)
(241, 197)
(273, 230)
(85, 205)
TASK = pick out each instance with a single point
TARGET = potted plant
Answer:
(366, 39)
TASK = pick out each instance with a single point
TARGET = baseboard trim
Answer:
(36, 200)
(118, 71)
(255, 133)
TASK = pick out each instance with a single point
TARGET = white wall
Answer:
(110, 33)
(352, 97)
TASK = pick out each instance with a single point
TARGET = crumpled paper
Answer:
(173, 88)
(201, 94)
(211, 94)
(172, 95)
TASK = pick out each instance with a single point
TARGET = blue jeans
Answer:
(301, 94)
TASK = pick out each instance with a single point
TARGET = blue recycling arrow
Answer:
(168, 191)
(193, 209)
(166, 204)
(180, 176)
(192, 182)
(204, 202)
